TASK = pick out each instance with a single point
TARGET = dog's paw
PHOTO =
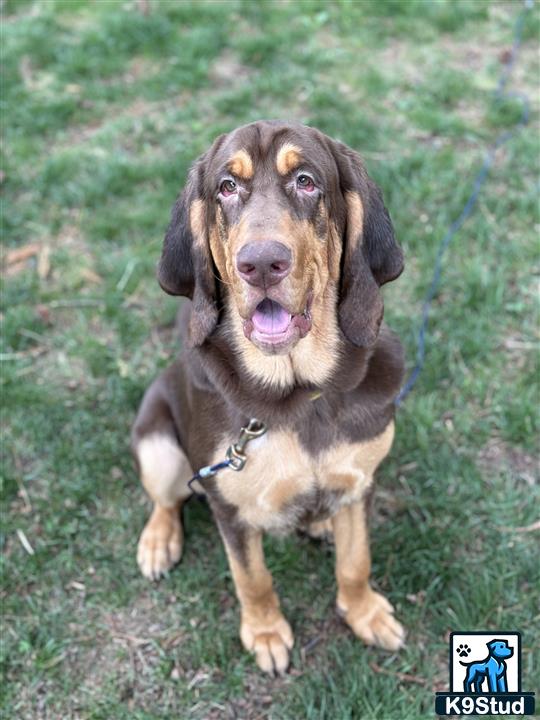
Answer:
(270, 643)
(160, 544)
(463, 650)
(373, 621)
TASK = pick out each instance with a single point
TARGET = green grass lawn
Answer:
(104, 108)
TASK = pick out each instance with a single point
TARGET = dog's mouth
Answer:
(273, 326)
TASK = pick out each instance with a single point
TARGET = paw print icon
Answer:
(463, 650)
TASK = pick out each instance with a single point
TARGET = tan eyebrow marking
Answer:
(289, 157)
(355, 219)
(241, 165)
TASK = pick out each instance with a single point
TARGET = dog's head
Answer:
(272, 215)
(499, 649)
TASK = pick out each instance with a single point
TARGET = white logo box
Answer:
(477, 642)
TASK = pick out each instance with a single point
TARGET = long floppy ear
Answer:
(371, 256)
(185, 267)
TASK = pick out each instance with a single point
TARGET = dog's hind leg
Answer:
(164, 471)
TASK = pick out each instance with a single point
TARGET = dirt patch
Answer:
(227, 71)
(398, 62)
(139, 109)
(128, 651)
(499, 456)
(85, 133)
(466, 56)
(487, 62)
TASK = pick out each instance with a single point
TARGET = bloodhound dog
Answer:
(281, 242)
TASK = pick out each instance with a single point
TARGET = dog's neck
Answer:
(280, 389)
(313, 359)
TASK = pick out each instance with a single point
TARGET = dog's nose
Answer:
(264, 263)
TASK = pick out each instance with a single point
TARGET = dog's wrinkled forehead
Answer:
(266, 151)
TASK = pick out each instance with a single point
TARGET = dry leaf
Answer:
(76, 585)
(18, 255)
(43, 313)
(91, 276)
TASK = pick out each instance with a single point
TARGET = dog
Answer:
(493, 668)
(281, 242)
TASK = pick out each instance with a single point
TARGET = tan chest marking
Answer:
(281, 478)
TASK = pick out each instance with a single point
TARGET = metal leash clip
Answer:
(236, 458)
(235, 452)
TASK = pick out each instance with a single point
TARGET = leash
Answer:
(235, 457)
(479, 181)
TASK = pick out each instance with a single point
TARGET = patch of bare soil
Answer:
(499, 456)
(396, 58)
(127, 652)
(227, 71)
(119, 651)
(138, 109)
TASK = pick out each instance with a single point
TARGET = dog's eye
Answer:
(305, 182)
(227, 187)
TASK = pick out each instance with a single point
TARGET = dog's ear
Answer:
(370, 256)
(185, 267)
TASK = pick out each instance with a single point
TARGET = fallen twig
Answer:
(18, 354)
(405, 677)
(44, 262)
(136, 641)
(25, 542)
(38, 337)
(523, 528)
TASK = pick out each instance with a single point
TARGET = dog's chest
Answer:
(282, 485)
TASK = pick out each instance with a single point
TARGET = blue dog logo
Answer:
(492, 669)
(485, 687)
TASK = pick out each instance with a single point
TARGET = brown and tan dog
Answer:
(281, 240)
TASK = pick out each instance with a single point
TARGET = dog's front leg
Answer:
(368, 613)
(263, 629)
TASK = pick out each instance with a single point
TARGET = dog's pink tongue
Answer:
(270, 318)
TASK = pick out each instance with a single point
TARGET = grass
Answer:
(103, 110)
